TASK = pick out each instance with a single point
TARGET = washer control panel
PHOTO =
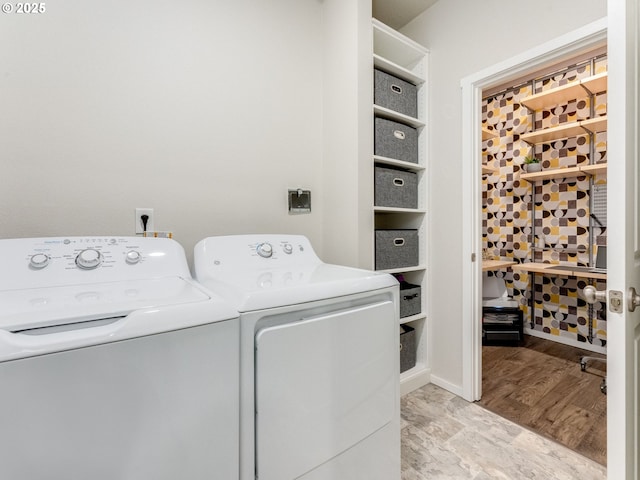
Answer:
(72, 260)
(276, 249)
(85, 253)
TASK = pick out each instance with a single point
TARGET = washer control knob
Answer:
(39, 260)
(89, 259)
(133, 257)
(288, 249)
(265, 250)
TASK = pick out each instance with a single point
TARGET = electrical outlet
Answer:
(139, 222)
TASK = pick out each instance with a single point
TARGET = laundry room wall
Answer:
(463, 38)
(206, 112)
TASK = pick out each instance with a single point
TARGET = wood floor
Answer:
(540, 385)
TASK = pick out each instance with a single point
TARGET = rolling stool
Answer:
(583, 367)
(586, 358)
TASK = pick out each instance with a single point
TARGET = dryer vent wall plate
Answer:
(299, 201)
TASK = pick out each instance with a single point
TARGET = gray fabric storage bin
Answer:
(395, 188)
(395, 140)
(407, 347)
(410, 299)
(396, 249)
(395, 94)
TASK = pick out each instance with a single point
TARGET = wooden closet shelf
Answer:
(573, 129)
(568, 172)
(566, 93)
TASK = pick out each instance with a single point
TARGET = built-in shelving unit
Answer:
(587, 87)
(402, 57)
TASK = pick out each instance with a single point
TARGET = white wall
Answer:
(465, 37)
(348, 169)
(205, 111)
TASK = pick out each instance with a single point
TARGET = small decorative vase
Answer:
(534, 167)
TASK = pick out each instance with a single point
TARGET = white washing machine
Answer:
(319, 362)
(114, 363)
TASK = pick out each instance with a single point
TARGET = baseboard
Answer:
(566, 341)
(455, 389)
(413, 379)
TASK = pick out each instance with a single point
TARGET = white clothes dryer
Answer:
(114, 363)
(319, 361)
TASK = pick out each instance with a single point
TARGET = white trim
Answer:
(589, 37)
(411, 381)
(455, 389)
(566, 341)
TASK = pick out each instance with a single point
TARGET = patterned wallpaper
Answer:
(562, 207)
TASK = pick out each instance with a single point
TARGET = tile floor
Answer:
(446, 437)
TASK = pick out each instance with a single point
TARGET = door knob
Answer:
(591, 295)
(634, 299)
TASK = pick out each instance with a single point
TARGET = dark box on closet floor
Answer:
(396, 249)
(502, 325)
(395, 140)
(395, 188)
(410, 299)
(407, 347)
(395, 94)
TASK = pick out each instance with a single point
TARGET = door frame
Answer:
(590, 37)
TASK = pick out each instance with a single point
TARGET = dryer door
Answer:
(323, 385)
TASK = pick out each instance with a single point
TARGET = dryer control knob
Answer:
(265, 250)
(288, 249)
(39, 260)
(133, 257)
(88, 259)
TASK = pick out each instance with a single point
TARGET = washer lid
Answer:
(250, 290)
(28, 309)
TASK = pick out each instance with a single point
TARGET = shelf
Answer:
(597, 83)
(569, 172)
(395, 69)
(595, 125)
(489, 170)
(573, 129)
(400, 117)
(398, 163)
(488, 134)
(552, 173)
(417, 268)
(398, 49)
(412, 318)
(488, 265)
(548, 269)
(595, 169)
(566, 93)
(377, 209)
